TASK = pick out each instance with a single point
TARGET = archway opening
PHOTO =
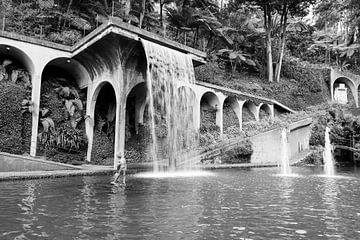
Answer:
(344, 90)
(248, 112)
(209, 108)
(104, 127)
(137, 128)
(278, 111)
(264, 112)
(231, 111)
(61, 132)
(15, 108)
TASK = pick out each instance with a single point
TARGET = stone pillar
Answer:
(120, 123)
(241, 104)
(35, 98)
(272, 111)
(220, 112)
(90, 120)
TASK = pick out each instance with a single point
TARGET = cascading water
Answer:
(171, 105)
(327, 155)
(285, 165)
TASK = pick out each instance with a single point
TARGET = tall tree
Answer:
(284, 9)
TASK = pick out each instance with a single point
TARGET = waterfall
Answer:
(285, 165)
(327, 155)
(171, 105)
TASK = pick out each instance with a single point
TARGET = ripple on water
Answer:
(174, 174)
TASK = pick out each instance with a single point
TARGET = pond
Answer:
(224, 204)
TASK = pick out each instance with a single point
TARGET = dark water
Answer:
(231, 204)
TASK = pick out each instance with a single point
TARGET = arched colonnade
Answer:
(127, 78)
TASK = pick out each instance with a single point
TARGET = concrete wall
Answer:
(267, 146)
(14, 163)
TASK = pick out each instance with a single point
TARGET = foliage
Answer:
(240, 154)
(15, 125)
(314, 158)
(63, 138)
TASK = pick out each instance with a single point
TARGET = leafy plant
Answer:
(235, 58)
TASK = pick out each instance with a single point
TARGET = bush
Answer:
(315, 157)
(239, 154)
(68, 37)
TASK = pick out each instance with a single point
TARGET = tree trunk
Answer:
(270, 69)
(268, 28)
(161, 13)
(142, 14)
(106, 6)
(283, 41)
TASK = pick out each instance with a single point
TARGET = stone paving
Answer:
(88, 169)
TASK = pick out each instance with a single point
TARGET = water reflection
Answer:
(29, 213)
(330, 216)
(234, 204)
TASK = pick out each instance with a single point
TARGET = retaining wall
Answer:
(267, 146)
(15, 163)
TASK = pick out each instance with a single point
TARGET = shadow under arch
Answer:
(103, 112)
(209, 108)
(352, 96)
(249, 111)
(70, 68)
(16, 73)
(264, 111)
(231, 113)
(137, 127)
(8, 51)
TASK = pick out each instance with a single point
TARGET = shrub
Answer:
(240, 154)
(315, 157)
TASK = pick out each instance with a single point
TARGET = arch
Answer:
(209, 112)
(62, 93)
(249, 112)
(136, 102)
(104, 114)
(18, 69)
(18, 55)
(351, 95)
(70, 67)
(264, 111)
(231, 115)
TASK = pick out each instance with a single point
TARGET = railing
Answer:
(49, 33)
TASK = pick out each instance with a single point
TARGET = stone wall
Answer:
(267, 146)
(15, 163)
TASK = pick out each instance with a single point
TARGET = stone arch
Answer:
(231, 115)
(209, 112)
(19, 55)
(70, 67)
(249, 111)
(63, 99)
(17, 69)
(265, 111)
(352, 94)
(104, 126)
(136, 102)
(137, 131)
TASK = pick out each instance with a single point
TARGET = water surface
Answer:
(228, 204)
